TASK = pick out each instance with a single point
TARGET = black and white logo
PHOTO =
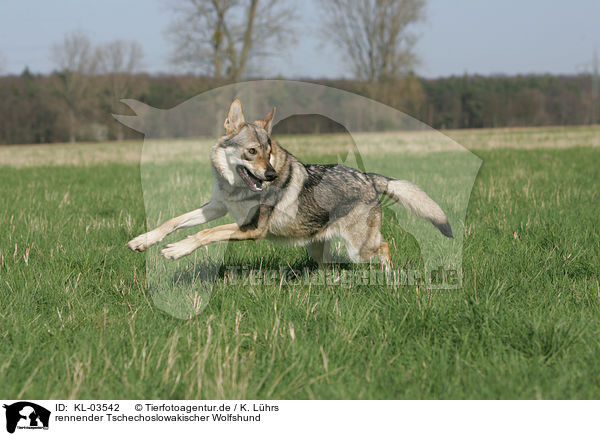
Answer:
(26, 415)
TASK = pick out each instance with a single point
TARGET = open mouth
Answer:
(251, 180)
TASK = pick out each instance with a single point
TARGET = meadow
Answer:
(80, 318)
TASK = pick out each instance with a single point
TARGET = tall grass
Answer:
(77, 320)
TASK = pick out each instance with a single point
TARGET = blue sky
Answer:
(458, 36)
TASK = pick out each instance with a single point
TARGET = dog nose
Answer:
(270, 174)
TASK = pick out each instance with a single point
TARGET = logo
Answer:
(26, 415)
(378, 139)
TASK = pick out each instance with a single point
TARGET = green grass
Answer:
(77, 319)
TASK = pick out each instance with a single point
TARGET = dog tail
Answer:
(414, 199)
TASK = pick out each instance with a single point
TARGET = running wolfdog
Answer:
(271, 194)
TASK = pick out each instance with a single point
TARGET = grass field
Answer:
(77, 319)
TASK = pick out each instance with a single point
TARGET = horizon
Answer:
(159, 74)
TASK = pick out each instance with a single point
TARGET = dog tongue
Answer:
(249, 179)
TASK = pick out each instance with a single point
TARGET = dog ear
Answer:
(267, 122)
(235, 117)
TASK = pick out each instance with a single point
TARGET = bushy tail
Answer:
(414, 199)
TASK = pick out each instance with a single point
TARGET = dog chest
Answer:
(242, 210)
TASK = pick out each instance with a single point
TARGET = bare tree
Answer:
(75, 54)
(118, 60)
(120, 57)
(2, 63)
(374, 34)
(219, 37)
(76, 59)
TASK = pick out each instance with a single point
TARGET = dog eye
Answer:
(252, 150)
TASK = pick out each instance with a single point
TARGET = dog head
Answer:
(243, 155)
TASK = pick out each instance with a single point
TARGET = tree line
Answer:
(35, 108)
(224, 41)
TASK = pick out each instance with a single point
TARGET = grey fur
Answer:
(305, 203)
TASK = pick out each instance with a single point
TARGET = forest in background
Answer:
(68, 107)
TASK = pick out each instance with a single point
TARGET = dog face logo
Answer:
(26, 415)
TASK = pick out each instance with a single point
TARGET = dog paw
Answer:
(179, 249)
(143, 241)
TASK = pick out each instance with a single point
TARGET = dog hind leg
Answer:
(364, 240)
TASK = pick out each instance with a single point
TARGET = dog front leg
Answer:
(210, 211)
(227, 232)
